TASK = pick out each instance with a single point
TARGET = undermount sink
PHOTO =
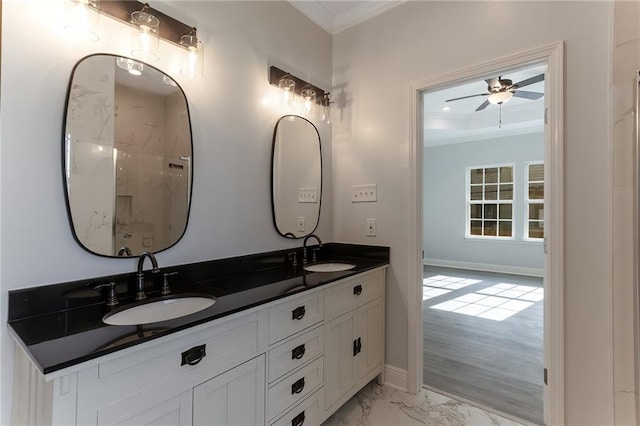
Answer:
(158, 310)
(329, 267)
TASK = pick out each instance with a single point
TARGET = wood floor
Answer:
(483, 339)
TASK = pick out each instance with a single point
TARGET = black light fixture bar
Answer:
(170, 28)
(276, 74)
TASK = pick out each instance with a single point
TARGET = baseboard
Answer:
(396, 377)
(503, 269)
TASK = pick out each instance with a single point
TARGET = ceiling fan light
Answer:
(500, 97)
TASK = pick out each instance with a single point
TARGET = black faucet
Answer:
(140, 274)
(304, 248)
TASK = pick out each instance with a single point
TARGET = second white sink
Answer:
(329, 267)
(159, 310)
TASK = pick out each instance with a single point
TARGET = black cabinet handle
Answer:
(357, 346)
(297, 386)
(298, 313)
(298, 352)
(298, 420)
(357, 290)
(194, 355)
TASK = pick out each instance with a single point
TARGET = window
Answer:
(535, 201)
(490, 202)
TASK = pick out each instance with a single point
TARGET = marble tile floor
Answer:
(386, 406)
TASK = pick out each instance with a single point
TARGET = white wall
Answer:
(445, 205)
(232, 122)
(374, 64)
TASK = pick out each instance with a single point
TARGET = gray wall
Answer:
(232, 114)
(444, 200)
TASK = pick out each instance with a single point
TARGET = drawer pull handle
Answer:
(298, 420)
(298, 313)
(357, 346)
(297, 386)
(357, 290)
(298, 352)
(194, 355)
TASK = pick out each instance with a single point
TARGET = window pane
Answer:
(476, 211)
(536, 229)
(476, 227)
(490, 211)
(476, 175)
(490, 227)
(506, 192)
(536, 191)
(536, 211)
(536, 172)
(476, 192)
(506, 174)
(491, 192)
(505, 211)
(491, 175)
(504, 229)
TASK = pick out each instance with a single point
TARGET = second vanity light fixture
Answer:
(148, 27)
(292, 86)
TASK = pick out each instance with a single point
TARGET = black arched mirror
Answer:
(296, 177)
(128, 157)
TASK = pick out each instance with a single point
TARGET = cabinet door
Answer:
(235, 397)
(170, 412)
(369, 333)
(339, 356)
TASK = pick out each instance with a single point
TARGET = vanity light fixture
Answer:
(326, 108)
(145, 40)
(309, 100)
(292, 85)
(133, 67)
(192, 55)
(81, 19)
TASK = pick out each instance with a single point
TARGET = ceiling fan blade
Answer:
(483, 106)
(470, 96)
(528, 95)
(532, 80)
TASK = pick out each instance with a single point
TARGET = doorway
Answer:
(552, 57)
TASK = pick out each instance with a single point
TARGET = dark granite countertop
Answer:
(60, 325)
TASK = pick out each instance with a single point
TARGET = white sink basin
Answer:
(329, 267)
(159, 310)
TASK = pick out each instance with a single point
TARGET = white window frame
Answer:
(528, 201)
(469, 202)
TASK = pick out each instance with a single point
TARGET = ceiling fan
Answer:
(501, 90)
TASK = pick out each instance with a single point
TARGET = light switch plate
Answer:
(364, 193)
(308, 195)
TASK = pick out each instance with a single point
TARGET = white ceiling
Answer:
(338, 15)
(463, 124)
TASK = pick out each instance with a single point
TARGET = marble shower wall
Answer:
(626, 63)
(91, 171)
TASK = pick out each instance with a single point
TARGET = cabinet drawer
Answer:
(292, 316)
(294, 388)
(294, 353)
(227, 343)
(351, 293)
(308, 412)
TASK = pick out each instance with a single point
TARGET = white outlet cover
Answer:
(371, 228)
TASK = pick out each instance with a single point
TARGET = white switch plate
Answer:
(364, 193)
(371, 228)
(307, 195)
(300, 223)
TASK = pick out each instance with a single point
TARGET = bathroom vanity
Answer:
(280, 346)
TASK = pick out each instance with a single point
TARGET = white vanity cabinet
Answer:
(293, 361)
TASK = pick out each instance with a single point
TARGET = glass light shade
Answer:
(145, 40)
(309, 99)
(81, 19)
(288, 88)
(191, 61)
(133, 67)
(500, 97)
(326, 114)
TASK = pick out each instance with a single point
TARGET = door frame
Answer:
(553, 56)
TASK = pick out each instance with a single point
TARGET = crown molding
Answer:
(316, 13)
